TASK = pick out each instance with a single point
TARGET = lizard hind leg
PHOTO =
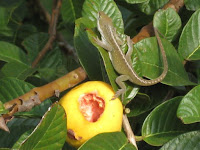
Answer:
(120, 81)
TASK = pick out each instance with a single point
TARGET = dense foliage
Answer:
(164, 116)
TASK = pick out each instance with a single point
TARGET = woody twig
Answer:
(59, 37)
(39, 94)
(52, 31)
(147, 31)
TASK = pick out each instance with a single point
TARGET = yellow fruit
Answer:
(91, 111)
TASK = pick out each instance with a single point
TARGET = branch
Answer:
(147, 31)
(59, 37)
(52, 31)
(128, 130)
(39, 94)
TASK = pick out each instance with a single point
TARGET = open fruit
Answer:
(91, 111)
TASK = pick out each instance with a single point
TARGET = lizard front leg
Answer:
(120, 81)
(103, 44)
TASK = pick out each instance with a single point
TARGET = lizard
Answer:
(121, 62)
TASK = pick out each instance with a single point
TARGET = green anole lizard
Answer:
(120, 61)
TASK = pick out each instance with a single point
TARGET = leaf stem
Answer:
(41, 93)
(129, 131)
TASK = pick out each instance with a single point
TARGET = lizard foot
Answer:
(118, 93)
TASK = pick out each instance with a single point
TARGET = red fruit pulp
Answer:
(91, 106)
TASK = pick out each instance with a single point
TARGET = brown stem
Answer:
(46, 91)
(59, 37)
(147, 31)
(128, 130)
(52, 31)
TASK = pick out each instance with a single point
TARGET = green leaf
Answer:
(10, 52)
(21, 139)
(108, 65)
(128, 147)
(168, 23)
(6, 31)
(189, 44)
(52, 65)
(37, 111)
(70, 10)
(131, 92)
(152, 66)
(11, 88)
(162, 125)
(17, 69)
(17, 127)
(50, 133)
(26, 30)
(139, 104)
(192, 4)
(189, 108)
(47, 4)
(34, 44)
(136, 1)
(10, 3)
(5, 14)
(91, 9)
(2, 109)
(186, 141)
(150, 6)
(108, 141)
(87, 53)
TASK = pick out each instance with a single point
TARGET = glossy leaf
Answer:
(91, 9)
(189, 44)
(139, 105)
(148, 100)
(192, 4)
(135, 1)
(37, 111)
(162, 125)
(70, 10)
(152, 66)
(168, 23)
(23, 137)
(86, 52)
(17, 127)
(17, 69)
(11, 88)
(189, 108)
(131, 92)
(4, 16)
(150, 6)
(108, 141)
(50, 133)
(186, 141)
(52, 65)
(107, 63)
(10, 52)
(34, 44)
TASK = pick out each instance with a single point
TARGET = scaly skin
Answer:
(121, 62)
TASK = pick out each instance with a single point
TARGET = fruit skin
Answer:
(109, 121)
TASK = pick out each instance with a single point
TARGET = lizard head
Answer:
(103, 21)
